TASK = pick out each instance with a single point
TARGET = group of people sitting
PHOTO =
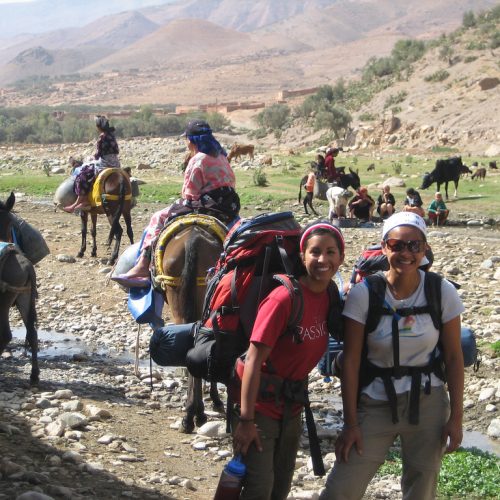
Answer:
(363, 205)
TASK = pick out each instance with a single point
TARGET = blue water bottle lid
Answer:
(236, 467)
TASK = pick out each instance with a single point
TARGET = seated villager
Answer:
(209, 183)
(438, 212)
(386, 203)
(362, 205)
(413, 203)
(106, 156)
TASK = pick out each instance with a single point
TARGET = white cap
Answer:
(404, 219)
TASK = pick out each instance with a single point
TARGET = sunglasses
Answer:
(413, 246)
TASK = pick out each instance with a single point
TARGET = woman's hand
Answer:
(347, 438)
(452, 435)
(245, 434)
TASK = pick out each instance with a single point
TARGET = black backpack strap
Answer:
(335, 320)
(376, 285)
(432, 290)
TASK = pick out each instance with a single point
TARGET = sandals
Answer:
(132, 281)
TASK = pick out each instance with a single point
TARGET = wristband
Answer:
(246, 419)
(347, 427)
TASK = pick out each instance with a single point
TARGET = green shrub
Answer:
(396, 109)
(437, 76)
(397, 167)
(469, 20)
(470, 59)
(274, 117)
(495, 40)
(366, 117)
(475, 45)
(395, 99)
(466, 473)
(259, 178)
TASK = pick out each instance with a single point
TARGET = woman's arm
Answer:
(353, 346)
(454, 369)
(246, 431)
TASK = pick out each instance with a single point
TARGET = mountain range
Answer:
(206, 50)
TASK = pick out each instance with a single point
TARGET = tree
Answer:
(334, 118)
(469, 20)
(274, 117)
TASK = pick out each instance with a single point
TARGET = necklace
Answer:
(403, 291)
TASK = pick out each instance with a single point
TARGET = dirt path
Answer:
(135, 451)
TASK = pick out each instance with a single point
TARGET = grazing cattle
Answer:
(240, 150)
(480, 173)
(445, 171)
(465, 170)
(371, 167)
(267, 160)
(493, 164)
(338, 197)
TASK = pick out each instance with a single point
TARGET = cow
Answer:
(480, 173)
(465, 170)
(241, 149)
(371, 167)
(445, 171)
(493, 164)
(338, 198)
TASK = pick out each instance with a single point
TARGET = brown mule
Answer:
(184, 257)
(111, 196)
(17, 287)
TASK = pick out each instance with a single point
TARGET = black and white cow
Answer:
(444, 172)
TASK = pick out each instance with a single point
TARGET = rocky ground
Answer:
(93, 429)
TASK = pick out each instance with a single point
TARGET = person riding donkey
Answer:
(209, 184)
(107, 154)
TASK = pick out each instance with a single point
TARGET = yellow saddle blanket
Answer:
(174, 227)
(97, 196)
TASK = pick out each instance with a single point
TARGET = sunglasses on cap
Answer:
(413, 246)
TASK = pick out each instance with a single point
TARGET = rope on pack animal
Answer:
(211, 224)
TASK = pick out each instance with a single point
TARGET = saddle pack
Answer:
(98, 196)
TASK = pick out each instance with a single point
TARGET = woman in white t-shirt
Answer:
(369, 431)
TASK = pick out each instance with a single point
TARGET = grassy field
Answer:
(475, 198)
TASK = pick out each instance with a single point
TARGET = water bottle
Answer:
(231, 480)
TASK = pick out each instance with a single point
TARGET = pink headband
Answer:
(321, 225)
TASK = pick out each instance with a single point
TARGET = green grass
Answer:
(467, 473)
(475, 198)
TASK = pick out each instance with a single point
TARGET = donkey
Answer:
(17, 287)
(186, 259)
(115, 201)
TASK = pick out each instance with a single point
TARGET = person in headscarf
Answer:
(106, 155)
(209, 183)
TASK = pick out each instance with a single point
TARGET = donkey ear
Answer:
(10, 201)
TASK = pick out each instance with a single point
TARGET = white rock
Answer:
(486, 393)
(212, 429)
(106, 439)
(70, 406)
(72, 456)
(56, 428)
(74, 419)
(63, 394)
(201, 445)
(96, 413)
(33, 495)
(494, 428)
(490, 408)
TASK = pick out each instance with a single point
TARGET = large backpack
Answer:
(259, 254)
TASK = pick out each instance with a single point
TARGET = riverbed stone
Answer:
(494, 428)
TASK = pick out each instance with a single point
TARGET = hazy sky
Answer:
(37, 16)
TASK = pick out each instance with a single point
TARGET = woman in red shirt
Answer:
(267, 440)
